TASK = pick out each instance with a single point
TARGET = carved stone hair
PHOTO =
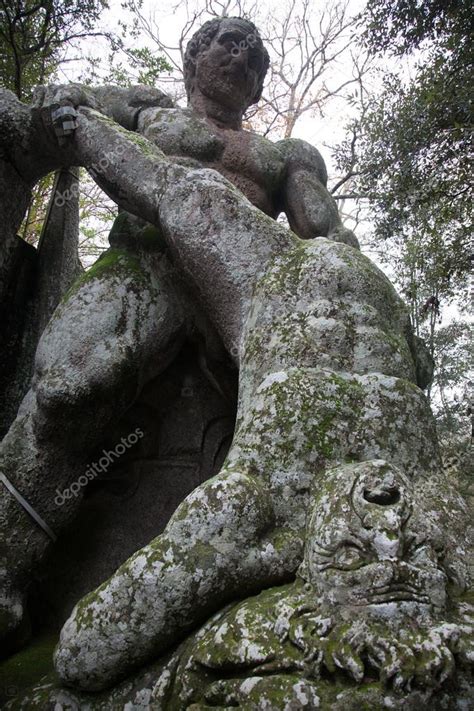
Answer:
(201, 40)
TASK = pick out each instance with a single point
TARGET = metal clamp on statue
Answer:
(64, 121)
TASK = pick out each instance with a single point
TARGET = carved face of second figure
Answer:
(368, 546)
(228, 71)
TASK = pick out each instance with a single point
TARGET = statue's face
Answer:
(369, 544)
(228, 70)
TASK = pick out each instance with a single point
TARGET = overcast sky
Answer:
(170, 20)
(322, 131)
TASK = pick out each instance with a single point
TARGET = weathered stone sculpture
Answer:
(365, 623)
(128, 318)
(330, 418)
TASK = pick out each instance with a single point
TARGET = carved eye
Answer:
(233, 43)
(423, 555)
(349, 557)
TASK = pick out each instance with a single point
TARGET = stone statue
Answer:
(127, 339)
(365, 622)
(329, 412)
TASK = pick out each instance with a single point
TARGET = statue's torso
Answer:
(252, 163)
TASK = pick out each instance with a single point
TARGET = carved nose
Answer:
(401, 573)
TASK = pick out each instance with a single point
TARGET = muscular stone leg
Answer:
(116, 329)
(90, 367)
(242, 531)
(293, 422)
(221, 543)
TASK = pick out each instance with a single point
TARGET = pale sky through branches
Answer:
(170, 18)
(324, 128)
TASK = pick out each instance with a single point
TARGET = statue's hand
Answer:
(403, 658)
(342, 649)
(58, 103)
(123, 105)
(64, 95)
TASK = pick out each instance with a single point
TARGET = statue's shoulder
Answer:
(249, 633)
(301, 154)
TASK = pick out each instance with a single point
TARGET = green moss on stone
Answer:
(146, 146)
(26, 668)
(114, 261)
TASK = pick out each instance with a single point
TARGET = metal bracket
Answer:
(64, 120)
(28, 508)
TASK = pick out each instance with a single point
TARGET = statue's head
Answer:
(370, 544)
(226, 61)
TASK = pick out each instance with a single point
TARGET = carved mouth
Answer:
(397, 593)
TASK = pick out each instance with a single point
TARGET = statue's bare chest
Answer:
(252, 163)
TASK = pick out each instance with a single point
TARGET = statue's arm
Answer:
(309, 207)
(122, 104)
(198, 211)
(25, 146)
(34, 152)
